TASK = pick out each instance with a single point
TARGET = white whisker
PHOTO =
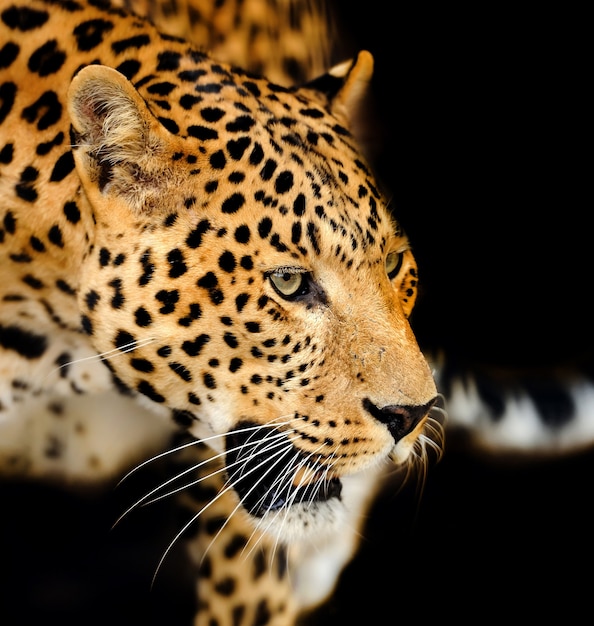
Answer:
(104, 356)
(187, 445)
(157, 457)
(183, 530)
(194, 482)
(145, 501)
(229, 485)
(290, 471)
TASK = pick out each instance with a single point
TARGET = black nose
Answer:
(400, 420)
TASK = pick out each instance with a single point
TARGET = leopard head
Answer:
(246, 277)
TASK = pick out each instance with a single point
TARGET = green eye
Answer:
(289, 284)
(393, 264)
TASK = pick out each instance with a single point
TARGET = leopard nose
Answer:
(400, 419)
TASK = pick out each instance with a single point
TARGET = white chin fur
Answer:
(323, 535)
(303, 522)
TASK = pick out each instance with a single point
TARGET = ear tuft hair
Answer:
(109, 117)
(117, 141)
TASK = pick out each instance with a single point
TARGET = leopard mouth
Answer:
(269, 474)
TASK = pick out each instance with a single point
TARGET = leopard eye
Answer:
(393, 264)
(289, 285)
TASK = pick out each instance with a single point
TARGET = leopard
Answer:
(189, 249)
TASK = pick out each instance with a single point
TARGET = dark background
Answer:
(484, 542)
(483, 130)
(484, 117)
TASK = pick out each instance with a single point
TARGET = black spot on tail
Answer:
(29, 345)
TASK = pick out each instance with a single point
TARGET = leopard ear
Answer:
(344, 88)
(345, 91)
(355, 74)
(116, 139)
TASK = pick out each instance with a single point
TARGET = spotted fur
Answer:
(188, 246)
(288, 41)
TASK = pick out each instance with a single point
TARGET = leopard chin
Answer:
(287, 493)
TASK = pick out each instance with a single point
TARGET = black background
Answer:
(484, 541)
(482, 129)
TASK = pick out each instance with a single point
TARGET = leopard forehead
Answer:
(246, 149)
(295, 183)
